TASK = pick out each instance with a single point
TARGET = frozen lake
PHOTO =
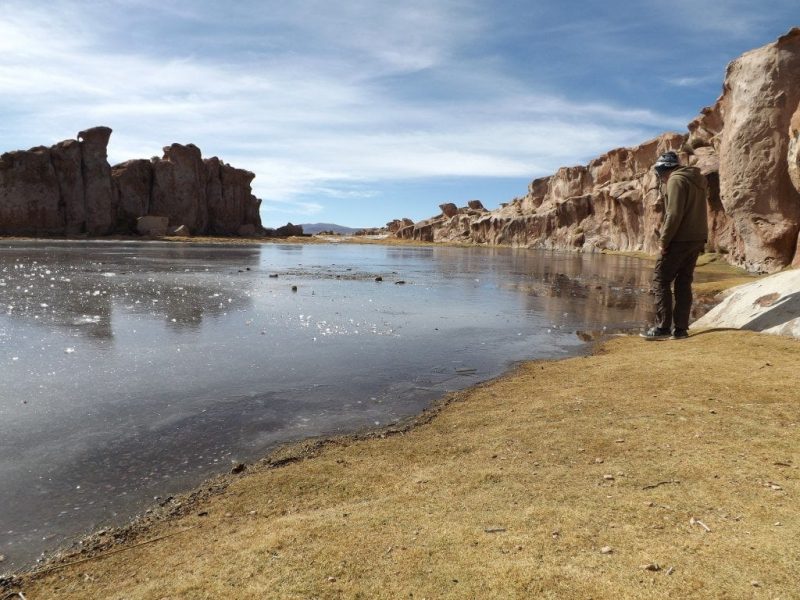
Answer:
(134, 370)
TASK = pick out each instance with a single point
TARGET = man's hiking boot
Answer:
(680, 334)
(656, 333)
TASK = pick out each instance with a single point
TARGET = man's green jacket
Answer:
(685, 208)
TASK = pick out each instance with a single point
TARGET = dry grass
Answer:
(512, 490)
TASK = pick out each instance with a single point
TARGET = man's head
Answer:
(666, 164)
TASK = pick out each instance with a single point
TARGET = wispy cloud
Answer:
(321, 100)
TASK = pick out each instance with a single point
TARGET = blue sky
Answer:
(356, 112)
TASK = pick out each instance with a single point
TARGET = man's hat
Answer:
(668, 160)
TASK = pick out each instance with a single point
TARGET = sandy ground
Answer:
(646, 470)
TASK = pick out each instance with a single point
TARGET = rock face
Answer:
(747, 145)
(71, 189)
(770, 305)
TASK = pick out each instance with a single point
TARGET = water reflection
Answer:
(131, 370)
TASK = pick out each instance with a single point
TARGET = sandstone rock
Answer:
(68, 163)
(179, 187)
(747, 146)
(759, 98)
(475, 205)
(152, 226)
(289, 230)
(29, 194)
(98, 190)
(449, 209)
(247, 230)
(134, 181)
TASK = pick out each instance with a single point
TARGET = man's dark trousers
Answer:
(677, 265)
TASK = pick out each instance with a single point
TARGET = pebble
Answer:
(651, 567)
(598, 461)
(608, 477)
(754, 583)
(331, 579)
(606, 550)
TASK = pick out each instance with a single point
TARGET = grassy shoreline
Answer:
(301, 489)
(569, 478)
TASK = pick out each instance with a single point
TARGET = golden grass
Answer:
(511, 490)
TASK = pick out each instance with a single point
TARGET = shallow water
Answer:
(134, 370)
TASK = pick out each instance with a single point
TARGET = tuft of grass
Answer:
(512, 489)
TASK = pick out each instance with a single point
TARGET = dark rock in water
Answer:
(379, 278)
(238, 468)
(289, 230)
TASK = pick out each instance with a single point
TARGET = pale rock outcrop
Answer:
(769, 305)
(760, 96)
(747, 145)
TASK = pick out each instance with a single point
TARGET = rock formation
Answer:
(71, 189)
(747, 145)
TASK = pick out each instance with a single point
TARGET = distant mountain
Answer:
(314, 228)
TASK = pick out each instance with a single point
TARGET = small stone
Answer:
(379, 278)
(273, 275)
(778, 523)
(608, 477)
(555, 533)
(202, 513)
(494, 529)
(606, 550)
(651, 567)
(331, 579)
(755, 583)
(294, 288)
(401, 282)
(619, 441)
(227, 514)
(237, 468)
(598, 461)
(2, 558)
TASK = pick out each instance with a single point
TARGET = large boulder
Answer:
(152, 226)
(760, 96)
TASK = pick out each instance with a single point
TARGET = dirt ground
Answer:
(646, 470)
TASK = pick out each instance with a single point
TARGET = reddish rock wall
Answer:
(71, 189)
(747, 145)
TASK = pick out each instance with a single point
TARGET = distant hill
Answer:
(314, 228)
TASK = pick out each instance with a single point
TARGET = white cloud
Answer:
(327, 116)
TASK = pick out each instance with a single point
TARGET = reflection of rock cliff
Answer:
(70, 188)
(747, 145)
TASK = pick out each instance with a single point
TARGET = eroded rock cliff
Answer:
(70, 188)
(747, 145)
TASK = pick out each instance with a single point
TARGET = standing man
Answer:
(683, 237)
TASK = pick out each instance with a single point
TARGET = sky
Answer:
(357, 112)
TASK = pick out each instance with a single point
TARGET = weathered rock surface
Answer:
(769, 305)
(747, 145)
(152, 226)
(71, 189)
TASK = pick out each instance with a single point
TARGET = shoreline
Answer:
(181, 506)
(296, 487)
